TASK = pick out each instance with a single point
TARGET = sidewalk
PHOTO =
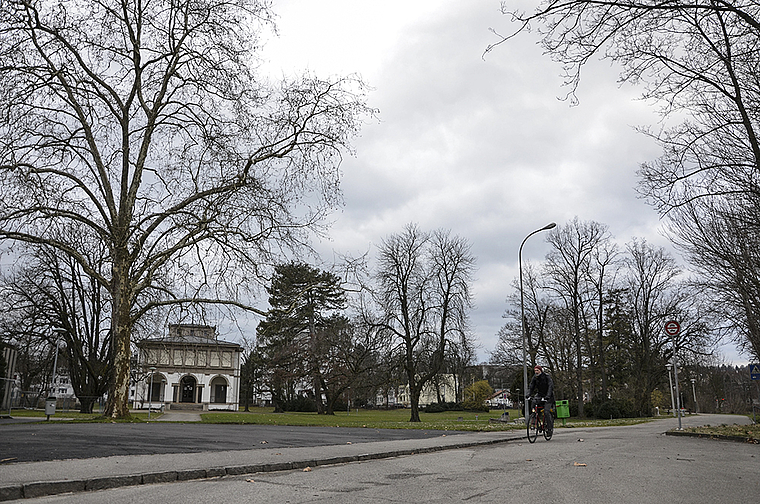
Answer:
(177, 416)
(37, 479)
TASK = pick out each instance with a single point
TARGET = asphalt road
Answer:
(41, 441)
(636, 464)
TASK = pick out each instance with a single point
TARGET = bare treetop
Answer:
(144, 126)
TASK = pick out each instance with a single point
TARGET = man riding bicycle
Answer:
(541, 386)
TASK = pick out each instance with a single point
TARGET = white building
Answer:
(443, 386)
(189, 369)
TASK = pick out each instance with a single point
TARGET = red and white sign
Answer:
(672, 327)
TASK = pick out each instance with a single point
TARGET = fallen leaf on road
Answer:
(249, 480)
(348, 442)
(579, 464)
(580, 440)
(308, 469)
(263, 442)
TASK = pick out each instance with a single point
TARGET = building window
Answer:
(189, 357)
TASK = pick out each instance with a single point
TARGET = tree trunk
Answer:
(86, 404)
(415, 400)
(121, 327)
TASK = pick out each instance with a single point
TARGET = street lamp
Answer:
(51, 399)
(670, 380)
(59, 331)
(150, 390)
(678, 393)
(522, 317)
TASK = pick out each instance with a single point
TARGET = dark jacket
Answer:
(542, 386)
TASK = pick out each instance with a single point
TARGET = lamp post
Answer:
(670, 380)
(150, 390)
(51, 400)
(522, 317)
(59, 331)
(694, 393)
(678, 393)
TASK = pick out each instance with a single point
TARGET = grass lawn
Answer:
(399, 419)
(375, 419)
(394, 419)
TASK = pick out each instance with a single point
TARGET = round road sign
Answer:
(672, 327)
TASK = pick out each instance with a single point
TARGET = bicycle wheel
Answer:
(532, 427)
(548, 426)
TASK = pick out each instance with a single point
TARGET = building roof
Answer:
(189, 334)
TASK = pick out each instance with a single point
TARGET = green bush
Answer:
(611, 408)
(441, 407)
(303, 404)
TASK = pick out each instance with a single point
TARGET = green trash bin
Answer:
(563, 410)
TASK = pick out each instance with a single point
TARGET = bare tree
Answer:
(652, 296)
(573, 246)
(144, 126)
(699, 62)
(721, 239)
(424, 291)
(537, 307)
(601, 274)
(348, 352)
(52, 290)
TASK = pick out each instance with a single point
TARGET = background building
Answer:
(188, 369)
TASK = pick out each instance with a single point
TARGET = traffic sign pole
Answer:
(672, 328)
(754, 374)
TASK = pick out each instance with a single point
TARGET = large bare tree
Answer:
(567, 265)
(143, 125)
(424, 292)
(721, 239)
(699, 61)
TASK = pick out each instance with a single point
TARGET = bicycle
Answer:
(537, 421)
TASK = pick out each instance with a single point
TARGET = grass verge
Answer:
(743, 433)
(76, 416)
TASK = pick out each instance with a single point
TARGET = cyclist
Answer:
(542, 386)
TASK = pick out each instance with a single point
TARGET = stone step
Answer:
(185, 407)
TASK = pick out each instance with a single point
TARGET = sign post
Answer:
(754, 374)
(672, 328)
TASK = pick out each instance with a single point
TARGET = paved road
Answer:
(637, 464)
(41, 441)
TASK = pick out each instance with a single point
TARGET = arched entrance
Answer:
(219, 390)
(187, 386)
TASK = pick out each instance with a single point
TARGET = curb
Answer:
(46, 488)
(720, 437)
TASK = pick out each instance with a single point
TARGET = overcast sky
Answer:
(481, 146)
